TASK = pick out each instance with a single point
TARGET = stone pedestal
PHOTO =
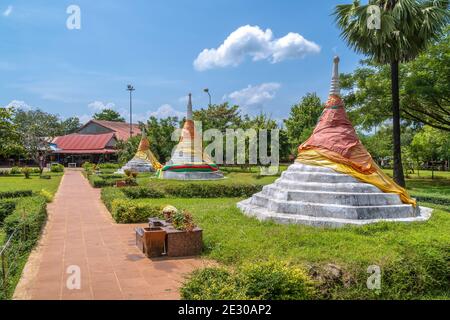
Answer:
(320, 196)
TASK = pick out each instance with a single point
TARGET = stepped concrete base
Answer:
(137, 165)
(170, 175)
(319, 196)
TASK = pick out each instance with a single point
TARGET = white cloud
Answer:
(165, 111)
(8, 11)
(99, 106)
(253, 42)
(254, 95)
(17, 104)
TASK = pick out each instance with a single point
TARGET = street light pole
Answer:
(209, 94)
(131, 89)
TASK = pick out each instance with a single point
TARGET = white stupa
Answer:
(334, 182)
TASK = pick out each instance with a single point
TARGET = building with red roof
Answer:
(94, 142)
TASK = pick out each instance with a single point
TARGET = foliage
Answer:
(6, 208)
(182, 220)
(16, 194)
(36, 128)
(127, 211)
(272, 280)
(9, 138)
(26, 172)
(159, 133)
(303, 119)
(16, 170)
(56, 167)
(220, 117)
(126, 150)
(196, 190)
(109, 115)
(142, 192)
(108, 166)
(48, 196)
(407, 27)
(70, 125)
(109, 194)
(101, 181)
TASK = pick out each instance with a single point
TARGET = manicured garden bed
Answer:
(30, 197)
(414, 258)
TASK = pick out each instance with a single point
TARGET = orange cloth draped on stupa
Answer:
(335, 144)
(144, 153)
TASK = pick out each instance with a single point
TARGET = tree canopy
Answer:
(109, 115)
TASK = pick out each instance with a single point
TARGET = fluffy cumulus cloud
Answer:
(17, 104)
(253, 42)
(254, 95)
(99, 105)
(165, 111)
(8, 11)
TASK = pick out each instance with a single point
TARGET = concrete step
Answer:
(262, 214)
(318, 177)
(332, 210)
(285, 184)
(332, 197)
(300, 167)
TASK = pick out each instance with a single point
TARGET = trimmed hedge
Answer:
(434, 200)
(109, 194)
(16, 194)
(102, 181)
(195, 190)
(127, 211)
(56, 167)
(142, 192)
(7, 207)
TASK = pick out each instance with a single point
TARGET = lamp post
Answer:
(131, 89)
(209, 94)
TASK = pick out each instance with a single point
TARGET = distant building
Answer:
(94, 142)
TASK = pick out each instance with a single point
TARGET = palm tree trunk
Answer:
(399, 177)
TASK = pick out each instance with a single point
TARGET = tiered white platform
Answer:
(320, 196)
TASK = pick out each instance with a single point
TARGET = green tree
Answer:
(9, 139)
(431, 145)
(303, 119)
(407, 28)
(126, 150)
(70, 125)
(426, 89)
(219, 117)
(36, 129)
(109, 115)
(159, 131)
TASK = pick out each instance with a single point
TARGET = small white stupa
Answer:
(334, 182)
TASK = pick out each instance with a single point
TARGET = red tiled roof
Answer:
(84, 143)
(122, 129)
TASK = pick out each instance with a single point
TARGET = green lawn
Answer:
(414, 257)
(18, 182)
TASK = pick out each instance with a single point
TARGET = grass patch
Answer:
(36, 184)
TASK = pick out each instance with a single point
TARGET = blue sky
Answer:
(154, 44)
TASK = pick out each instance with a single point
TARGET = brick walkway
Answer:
(81, 232)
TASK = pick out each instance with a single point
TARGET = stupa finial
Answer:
(189, 108)
(335, 87)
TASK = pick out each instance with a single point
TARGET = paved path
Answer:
(81, 232)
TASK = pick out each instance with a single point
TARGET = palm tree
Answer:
(407, 28)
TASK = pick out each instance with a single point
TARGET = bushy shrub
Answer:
(102, 181)
(30, 215)
(211, 284)
(110, 194)
(6, 208)
(258, 281)
(46, 195)
(5, 173)
(142, 192)
(88, 166)
(16, 194)
(275, 281)
(16, 170)
(26, 172)
(127, 211)
(56, 167)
